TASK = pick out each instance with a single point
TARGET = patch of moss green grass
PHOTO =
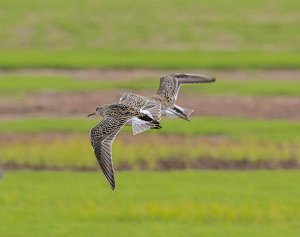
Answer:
(227, 139)
(210, 203)
(236, 128)
(20, 84)
(153, 59)
(172, 34)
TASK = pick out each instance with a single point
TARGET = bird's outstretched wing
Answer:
(170, 84)
(102, 137)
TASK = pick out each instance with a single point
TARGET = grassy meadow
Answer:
(170, 26)
(206, 126)
(212, 176)
(172, 34)
(22, 84)
(236, 140)
(152, 202)
(259, 203)
(147, 59)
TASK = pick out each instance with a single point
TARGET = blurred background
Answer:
(233, 170)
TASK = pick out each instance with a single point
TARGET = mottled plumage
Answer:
(115, 116)
(141, 113)
(151, 109)
(168, 90)
(143, 103)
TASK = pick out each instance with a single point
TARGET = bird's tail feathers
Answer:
(177, 111)
(139, 126)
(155, 111)
(188, 112)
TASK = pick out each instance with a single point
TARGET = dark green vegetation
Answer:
(16, 84)
(148, 59)
(150, 204)
(172, 34)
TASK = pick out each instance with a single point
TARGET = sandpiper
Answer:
(114, 117)
(168, 91)
(149, 107)
(141, 113)
(165, 97)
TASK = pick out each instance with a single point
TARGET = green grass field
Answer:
(148, 59)
(173, 34)
(235, 128)
(150, 204)
(170, 34)
(239, 139)
(172, 25)
(75, 152)
(20, 84)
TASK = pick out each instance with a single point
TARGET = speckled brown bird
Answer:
(148, 107)
(167, 93)
(114, 117)
(141, 113)
(165, 99)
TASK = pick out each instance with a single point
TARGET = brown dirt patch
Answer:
(276, 107)
(123, 137)
(44, 137)
(98, 74)
(53, 104)
(80, 104)
(225, 164)
(56, 104)
(174, 164)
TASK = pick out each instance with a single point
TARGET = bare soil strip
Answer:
(54, 104)
(98, 74)
(174, 164)
(124, 137)
(79, 104)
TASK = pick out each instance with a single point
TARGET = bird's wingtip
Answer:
(112, 187)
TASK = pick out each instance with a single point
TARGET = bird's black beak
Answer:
(91, 114)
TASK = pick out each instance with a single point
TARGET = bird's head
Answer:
(125, 96)
(99, 111)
